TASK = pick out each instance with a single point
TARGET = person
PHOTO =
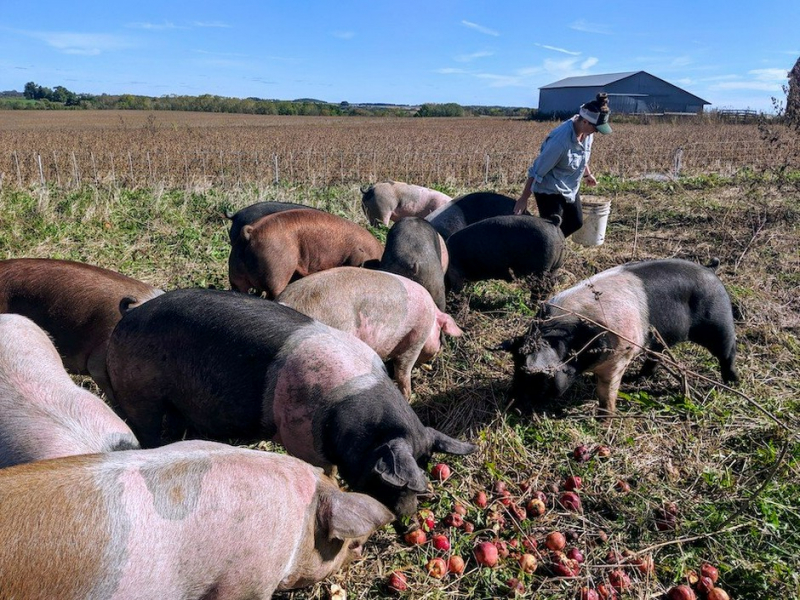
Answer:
(555, 176)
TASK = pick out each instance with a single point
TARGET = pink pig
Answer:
(393, 315)
(190, 520)
(43, 413)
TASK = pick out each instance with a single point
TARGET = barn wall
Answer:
(635, 94)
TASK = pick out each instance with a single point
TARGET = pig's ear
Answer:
(247, 232)
(444, 443)
(351, 515)
(397, 467)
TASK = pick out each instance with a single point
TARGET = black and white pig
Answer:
(229, 366)
(604, 322)
(468, 209)
(43, 413)
(189, 520)
(414, 250)
(504, 248)
(250, 214)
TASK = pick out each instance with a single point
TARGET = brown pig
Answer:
(285, 246)
(76, 303)
(43, 413)
(189, 520)
(393, 315)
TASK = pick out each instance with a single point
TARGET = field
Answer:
(729, 458)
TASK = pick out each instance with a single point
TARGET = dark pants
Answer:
(571, 213)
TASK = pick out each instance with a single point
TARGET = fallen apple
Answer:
(455, 564)
(440, 542)
(589, 594)
(535, 508)
(555, 541)
(486, 554)
(710, 571)
(572, 483)
(515, 587)
(397, 581)
(528, 563)
(570, 501)
(440, 471)
(415, 537)
(481, 501)
(681, 592)
(718, 594)
(436, 567)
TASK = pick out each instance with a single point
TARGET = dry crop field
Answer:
(728, 458)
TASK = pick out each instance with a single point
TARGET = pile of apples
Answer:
(700, 585)
(509, 532)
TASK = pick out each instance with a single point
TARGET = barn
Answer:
(634, 92)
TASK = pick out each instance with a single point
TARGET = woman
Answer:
(555, 176)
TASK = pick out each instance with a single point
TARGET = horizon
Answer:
(467, 53)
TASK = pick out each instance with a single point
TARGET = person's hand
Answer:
(590, 180)
(521, 206)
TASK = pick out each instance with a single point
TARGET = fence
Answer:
(323, 168)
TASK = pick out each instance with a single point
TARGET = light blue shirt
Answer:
(561, 162)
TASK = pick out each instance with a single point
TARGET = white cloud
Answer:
(480, 28)
(344, 35)
(87, 44)
(155, 26)
(562, 50)
(451, 71)
(210, 24)
(773, 75)
(589, 63)
(585, 26)
(473, 56)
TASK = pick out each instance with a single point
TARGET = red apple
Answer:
(502, 548)
(460, 509)
(505, 498)
(589, 594)
(555, 541)
(455, 564)
(426, 519)
(704, 586)
(710, 571)
(606, 592)
(681, 592)
(454, 520)
(436, 567)
(571, 501)
(500, 487)
(517, 511)
(535, 508)
(528, 563)
(397, 581)
(468, 527)
(515, 587)
(581, 453)
(572, 483)
(416, 537)
(486, 554)
(575, 554)
(481, 501)
(619, 580)
(440, 542)
(718, 594)
(440, 471)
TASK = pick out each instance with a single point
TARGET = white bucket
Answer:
(595, 219)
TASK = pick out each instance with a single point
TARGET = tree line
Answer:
(36, 97)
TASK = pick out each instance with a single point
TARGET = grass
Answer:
(732, 469)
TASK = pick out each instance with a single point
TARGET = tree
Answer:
(793, 96)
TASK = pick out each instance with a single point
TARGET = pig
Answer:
(252, 213)
(43, 413)
(225, 366)
(602, 323)
(76, 303)
(392, 200)
(285, 246)
(193, 519)
(393, 315)
(468, 209)
(414, 250)
(504, 248)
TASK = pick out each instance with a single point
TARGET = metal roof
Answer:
(589, 80)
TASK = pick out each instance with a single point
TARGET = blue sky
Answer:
(469, 52)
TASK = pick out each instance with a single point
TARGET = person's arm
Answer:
(522, 203)
(587, 175)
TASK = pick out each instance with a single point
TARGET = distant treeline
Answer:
(36, 97)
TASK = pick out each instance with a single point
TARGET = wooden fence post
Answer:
(275, 162)
(41, 171)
